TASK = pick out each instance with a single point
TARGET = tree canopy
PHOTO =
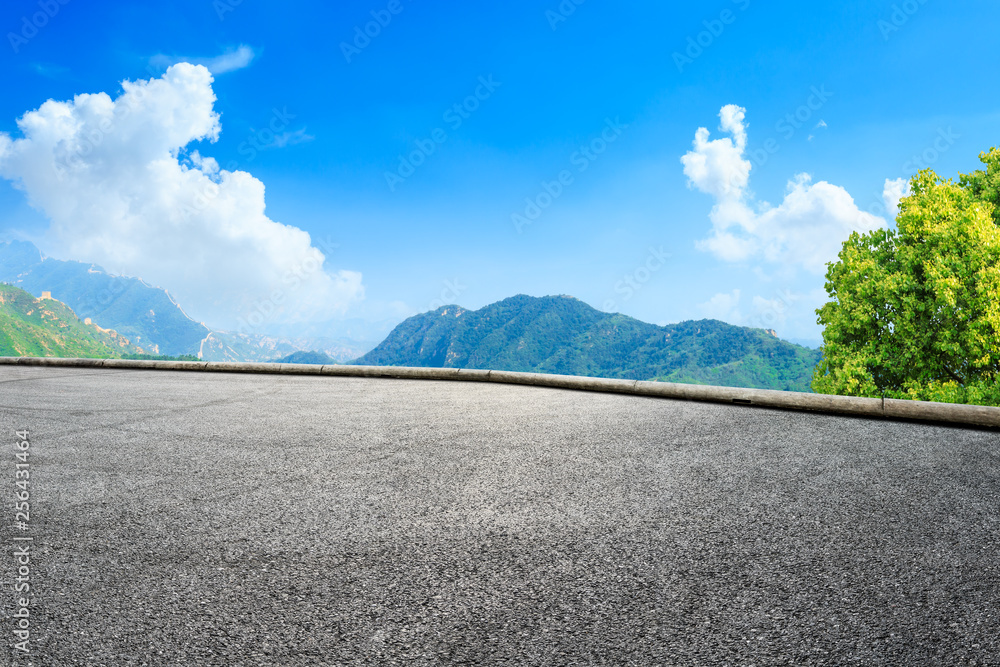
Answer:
(915, 311)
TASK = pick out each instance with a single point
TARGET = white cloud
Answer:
(805, 231)
(122, 188)
(790, 313)
(765, 313)
(717, 167)
(821, 123)
(230, 61)
(772, 313)
(723, 306)
(894, 190)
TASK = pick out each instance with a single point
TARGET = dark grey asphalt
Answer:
(215, 519)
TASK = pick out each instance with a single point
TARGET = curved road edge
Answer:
(888, 408)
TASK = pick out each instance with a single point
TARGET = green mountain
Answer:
(560, 334)
(31, 327)
(147, 315)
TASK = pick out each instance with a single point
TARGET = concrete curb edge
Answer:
(949, 413)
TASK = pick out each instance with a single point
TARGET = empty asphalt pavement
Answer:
(187, 518)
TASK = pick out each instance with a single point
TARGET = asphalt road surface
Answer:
(222, 519)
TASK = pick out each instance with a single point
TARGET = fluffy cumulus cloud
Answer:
(803, 232)
(122, 187)
(717, 167)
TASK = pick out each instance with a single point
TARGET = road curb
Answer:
(948, 413)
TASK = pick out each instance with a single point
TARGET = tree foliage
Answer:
(916, 310)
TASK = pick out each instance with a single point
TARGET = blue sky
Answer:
(321, 126)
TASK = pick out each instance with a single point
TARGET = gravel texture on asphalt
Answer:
(220, 519)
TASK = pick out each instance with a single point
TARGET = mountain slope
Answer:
(566, 336)
(148, 315)
(145, 314)
(31, 327)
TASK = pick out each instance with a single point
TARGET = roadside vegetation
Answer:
(915, 310)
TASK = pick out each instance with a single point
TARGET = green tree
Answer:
(915, 311)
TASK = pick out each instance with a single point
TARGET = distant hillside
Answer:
(145, 314)
(227, 346)
(341, 350)
(318, 358)
(31, 327)
(148, 315)
(559, 334)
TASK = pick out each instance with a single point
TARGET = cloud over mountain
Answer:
(123, 187)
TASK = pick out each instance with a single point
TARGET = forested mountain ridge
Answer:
(563, 335)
